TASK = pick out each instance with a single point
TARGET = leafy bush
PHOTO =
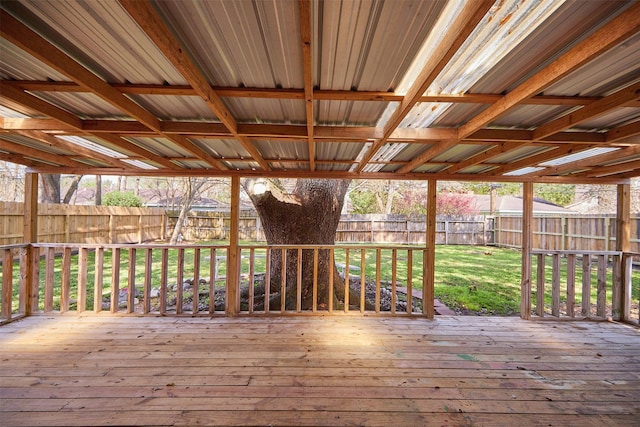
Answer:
(121, 198)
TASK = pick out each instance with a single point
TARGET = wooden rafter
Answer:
(61, 116)
(307, 66)
(31, 42)
(36, 154)
(154, 26)
(611, 102)
(485, 155)
(73, 148)
(454, 37)
(622, 132)
(589, 162)
(616, 31)
(545, 156)
(25, 38)
(613, 169)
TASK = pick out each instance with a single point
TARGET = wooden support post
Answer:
(233, 261)
(527, 235)
(98, 280)
(30, 281)
(621, 294)
(429, 261)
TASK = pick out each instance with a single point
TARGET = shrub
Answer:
(121, 198)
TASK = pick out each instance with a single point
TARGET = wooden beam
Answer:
(307, 66)
(145, 15)
(288, 93)
(343, 174)
(527, 238)
(606, 104)
(456, 34)
(298, 132)
(613, 33)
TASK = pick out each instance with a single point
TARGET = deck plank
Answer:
(101, 369)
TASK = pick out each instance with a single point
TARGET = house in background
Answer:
(512, 205)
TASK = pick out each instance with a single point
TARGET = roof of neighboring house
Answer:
(481, 203)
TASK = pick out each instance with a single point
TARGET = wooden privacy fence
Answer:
(84, 224)
(392, 229)
(565, 233)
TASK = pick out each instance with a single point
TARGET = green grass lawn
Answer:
(470, 279)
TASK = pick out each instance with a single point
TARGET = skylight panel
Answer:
(11, 114)
(578, 156)
(85, 143)
(523, 171)
(139, 164)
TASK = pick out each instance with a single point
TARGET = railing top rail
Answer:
(632, 254)
(573, 252)
(125, 245)
(350, 246)
(14, 246)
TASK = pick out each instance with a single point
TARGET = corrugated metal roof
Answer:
(369, 45)
(160, 146)
(356, 45)
(100, 35)
(176, 107)
(84, 105)
(240, 43)
(569, 24)
(618, 117)
(15, 65)
(519, 154)
(529, 116)
(222, 148)
(459, 152)
(28, 142)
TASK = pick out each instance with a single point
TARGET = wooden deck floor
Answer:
(322, 371)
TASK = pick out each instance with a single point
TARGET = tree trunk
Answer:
(50, 188)
(73, 187)
(309, 215)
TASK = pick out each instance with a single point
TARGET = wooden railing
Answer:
(583, 284)
(194, 280)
